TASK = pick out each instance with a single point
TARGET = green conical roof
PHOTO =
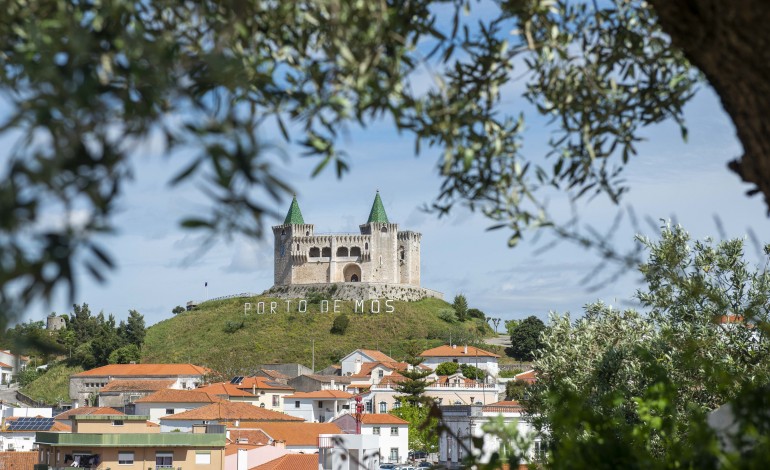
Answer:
(295, 215)
(378, 211)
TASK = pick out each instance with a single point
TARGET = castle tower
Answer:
(382, 246)
(287, 249)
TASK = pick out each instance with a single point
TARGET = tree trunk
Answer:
(729, 41)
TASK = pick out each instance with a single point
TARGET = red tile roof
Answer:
(367, 367)
(457, 351)
(224, 389)
(144, 370)
(87, 410)
(227, 410)
(527, 376)
(137, 385)
(262, 383)
(378, 356)
(504, 406)
(5, 366)
(18, 460)
(291, 462)
(298, 434)
(275, 374)
(252, 437)
(321, 394)
(169, 395)
(381, 418)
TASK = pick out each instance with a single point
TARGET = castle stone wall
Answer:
(356, 291)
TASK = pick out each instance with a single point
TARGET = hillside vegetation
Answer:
(220, 336)
(53, 386)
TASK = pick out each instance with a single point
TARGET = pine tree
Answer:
(460, 305)
(414, 383)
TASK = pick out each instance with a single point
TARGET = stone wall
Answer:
(355, 291)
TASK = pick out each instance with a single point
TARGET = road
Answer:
(8, 395)
(500, 340)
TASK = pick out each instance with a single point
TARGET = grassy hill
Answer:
(218, 334)
(53, 386)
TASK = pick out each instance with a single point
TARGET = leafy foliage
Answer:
(476, 313)
(88, 81)
(448, 315)
(635, 388)
(525, 338)
(412, 387)
(178, 309)
(423, 433)
(472, 372)
(233, 325)
(460, 306)
(340, 324)
(447, 368)
(126, 355)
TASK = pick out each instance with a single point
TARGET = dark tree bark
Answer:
(729, 41)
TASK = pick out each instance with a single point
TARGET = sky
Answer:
(160, 265)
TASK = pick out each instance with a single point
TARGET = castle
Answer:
(384, 260)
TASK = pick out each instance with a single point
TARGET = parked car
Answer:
(424, 465)
(417, 455)
(387, 466)
(407, 467)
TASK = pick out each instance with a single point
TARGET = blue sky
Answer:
(161, 266)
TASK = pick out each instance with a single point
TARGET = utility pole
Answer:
(312, 366)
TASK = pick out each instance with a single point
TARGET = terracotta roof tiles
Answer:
(169, 395)
(262, 383)
(144, 370)
(457, 351)
(298, 434)
(227, 410)
(382, 418)
(87, 410)
(5, 366)
(137, 385)
(378, 356)
(291, 462)
(224, 389)
(252, 437)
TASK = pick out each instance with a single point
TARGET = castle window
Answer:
(307, 234)
(384, 229)
(283, 232)
(402, 252)
(298, 247)
(342, 251)
(355, 251)
(326, 252)
(315, 252)
(366, 246)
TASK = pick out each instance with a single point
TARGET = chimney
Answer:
(332, 384)
(243, 463)
(465, 351)
(454, 346)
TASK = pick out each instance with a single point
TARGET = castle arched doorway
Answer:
(352, 273)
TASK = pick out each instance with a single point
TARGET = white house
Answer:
(18, 433)
(351, 364)
(231, 414)
(12, 362)
(268, 392)
(359, 451)
(461, 423)
(6, 373)
(469, 355)
(319, 406)
(296, 437)
(393, 433)
(169, 402)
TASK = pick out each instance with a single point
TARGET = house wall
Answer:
(488, 364)
(17, 441)
(255, 457)
(82, 387)
(157, 410)
(389, 441)
(144, 457)
(108, 427)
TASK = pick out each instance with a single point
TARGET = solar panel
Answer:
(30, 424)
(237, 380)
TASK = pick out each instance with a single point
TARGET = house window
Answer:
(394, 431)
(396, 405)
(383, 407)
(369, 406)
(169, 411)
(296, 404)
(540, 450)
(202, 457)
(125, 458)
(381, 373)
(261, 405)
(376, 430)
(117, 422)
(394, 454)
(276, 400)
(164, 459)
(320, 404)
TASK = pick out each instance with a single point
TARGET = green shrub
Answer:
(448, 315)
(233, 326)
(472, 372)
(447, 368)
(340, 324)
